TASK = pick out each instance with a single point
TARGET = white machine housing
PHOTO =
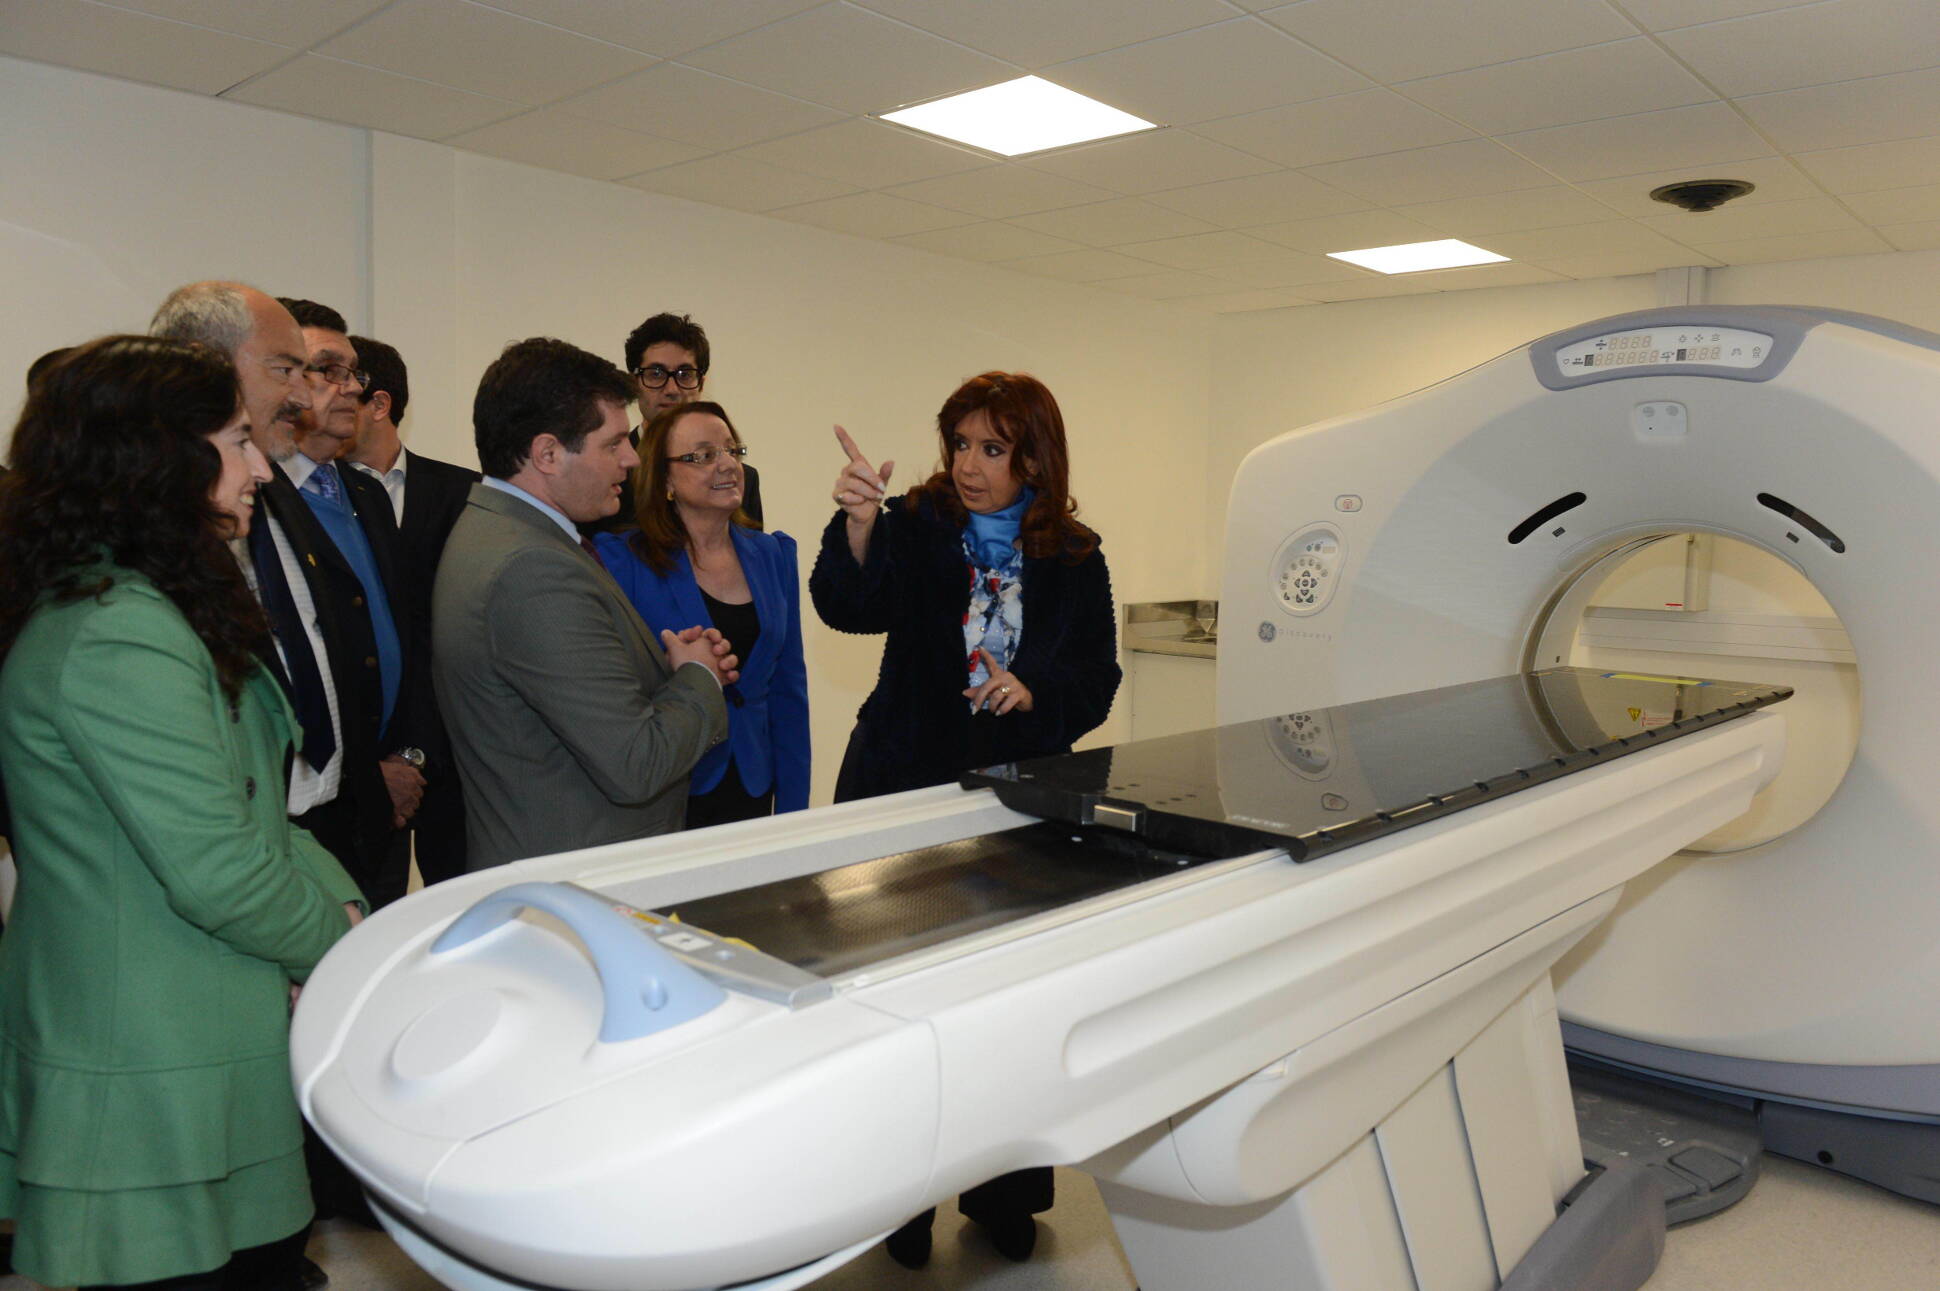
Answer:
(1805, 968)
(1235, 1051)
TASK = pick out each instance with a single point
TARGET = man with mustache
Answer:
(326, 655)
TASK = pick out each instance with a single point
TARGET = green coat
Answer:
(147, 1120)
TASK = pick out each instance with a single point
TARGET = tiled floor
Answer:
(1801, 1229)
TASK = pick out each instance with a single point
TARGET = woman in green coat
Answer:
(148, 1130)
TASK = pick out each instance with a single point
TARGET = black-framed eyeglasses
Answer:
(654, 377)
(339, 374)
(706, 456)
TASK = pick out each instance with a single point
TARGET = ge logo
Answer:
(1267, 631)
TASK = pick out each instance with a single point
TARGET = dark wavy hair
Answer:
(662, 532)
(111, 459)
(1023, 414)
(541, 386)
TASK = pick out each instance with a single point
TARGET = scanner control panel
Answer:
(1307, 569)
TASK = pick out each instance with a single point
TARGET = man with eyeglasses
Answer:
(668, 357)
(353, 535)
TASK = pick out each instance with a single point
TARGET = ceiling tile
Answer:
(1777, 180)
(1617, 79)
(865, 153)
(1878, 108)
(696, 107)
(872, 215)
(1800, 246)
(1897, 205)
(664, 29)
(560, 141)
(999, 192)
(1353, 231)
(1619, 264)
(1736, 223)
(1811, 45)
(1167, 286)
(1532, 208)
(337, 91)
(994, 240)
(1082, 266)
(1335, 129)
(1365, 289)
(1581, 240)
(851, 59)
(1104, 224)
(97, 38)
(1482, 275)
(295, 25)
(1294, 271)
(1872, 166)
(1259, 199)
(1218, 71)
(1247, 302)
(1664, 15)
(1204, 250)
(1036, 33)
(1397, 40)
(1636, 144)
(1924, 236)
(1154, 160)
(739, 183)
(1465, 169)
(471, 47)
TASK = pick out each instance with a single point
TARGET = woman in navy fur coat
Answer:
(695, 559)
(1002, 642)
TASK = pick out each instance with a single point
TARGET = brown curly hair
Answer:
(1023, 413)
(111, 459)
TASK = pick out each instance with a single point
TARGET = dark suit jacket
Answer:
(915, 729)
(569, 727)
(768, 718)
(345, 624)
(434, 498)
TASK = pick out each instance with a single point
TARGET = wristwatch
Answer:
(411, 757)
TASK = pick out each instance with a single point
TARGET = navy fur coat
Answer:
(915, 729)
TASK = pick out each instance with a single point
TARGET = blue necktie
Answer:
(324, 483)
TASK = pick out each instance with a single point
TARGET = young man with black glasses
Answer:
(668, 356)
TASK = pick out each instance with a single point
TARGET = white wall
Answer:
(113, 193)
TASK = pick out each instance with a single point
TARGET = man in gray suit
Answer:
(571, 726)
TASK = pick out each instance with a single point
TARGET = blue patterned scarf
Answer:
(994, 620)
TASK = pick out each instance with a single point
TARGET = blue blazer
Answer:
(768, 724)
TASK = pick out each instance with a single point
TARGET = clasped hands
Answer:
(705, 646)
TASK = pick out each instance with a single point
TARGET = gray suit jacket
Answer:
(568, 727)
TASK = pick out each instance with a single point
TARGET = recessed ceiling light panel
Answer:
(1025, 115)
(1414, 257)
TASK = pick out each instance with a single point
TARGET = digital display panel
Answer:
(1724, 347)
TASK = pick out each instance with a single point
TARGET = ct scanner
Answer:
(1282, 987)
(1456, 533)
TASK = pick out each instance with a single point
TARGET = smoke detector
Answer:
(1699, 195)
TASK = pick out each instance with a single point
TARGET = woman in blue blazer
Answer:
(695, 559)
